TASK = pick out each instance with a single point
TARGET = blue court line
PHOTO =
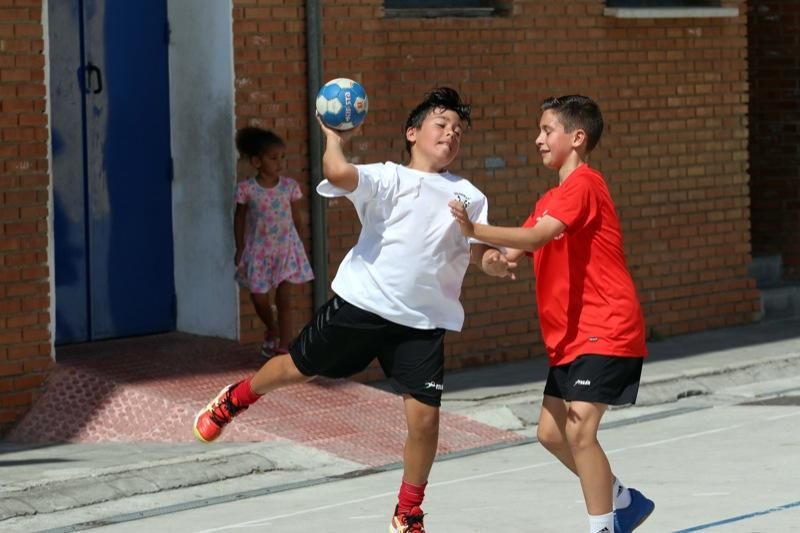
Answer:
(740, 517)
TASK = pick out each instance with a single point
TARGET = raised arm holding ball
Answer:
(396, 291)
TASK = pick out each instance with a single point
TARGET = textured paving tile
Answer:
(148, 389)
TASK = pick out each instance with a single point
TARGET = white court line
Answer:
(261, 521)
(265, 521)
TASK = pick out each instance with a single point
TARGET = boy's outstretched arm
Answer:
(514, 254)
(529, 239)
(491, 261)
(335, 167)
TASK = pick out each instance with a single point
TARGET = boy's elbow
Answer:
(332, 171)
(514, 254)
(339, 174)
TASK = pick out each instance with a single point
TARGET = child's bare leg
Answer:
(551, 431)
(591, 463)
(282, 301)
(273, 325)
(263, 309)
(276, 373)
(421, 442)
(233, 399)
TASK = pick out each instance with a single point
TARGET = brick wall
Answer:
(674, 93)
(675, 98)
(774, 60)
(270, 78)
(24, 271)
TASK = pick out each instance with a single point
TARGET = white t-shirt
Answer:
(410, 259)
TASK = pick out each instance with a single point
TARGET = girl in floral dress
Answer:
(269, 252)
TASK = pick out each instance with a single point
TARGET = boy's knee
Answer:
(289, 371)
(580, 435)
(428, 424)
(424, 421)
(550, 437)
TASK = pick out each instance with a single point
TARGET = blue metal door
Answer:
(111, 169)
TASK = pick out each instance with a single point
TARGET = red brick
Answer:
(23, 351)
(16, 399)
(10, 368)
(29, 381)
(675, 149)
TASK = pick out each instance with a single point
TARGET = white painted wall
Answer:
(202, 125)
(51, 264)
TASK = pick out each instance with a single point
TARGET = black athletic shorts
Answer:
(343, 339)
(606, 379)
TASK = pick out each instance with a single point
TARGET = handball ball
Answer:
(342, 104)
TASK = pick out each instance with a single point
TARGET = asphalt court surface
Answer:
(730, 468)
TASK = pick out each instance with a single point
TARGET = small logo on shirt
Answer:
(582, 382)
(434, 385)
(463, 199)
(593, 339)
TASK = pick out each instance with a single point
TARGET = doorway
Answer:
(112, 169)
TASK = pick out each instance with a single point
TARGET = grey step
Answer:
(767, 270)
(780, 302)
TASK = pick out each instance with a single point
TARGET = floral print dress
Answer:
(273, 252)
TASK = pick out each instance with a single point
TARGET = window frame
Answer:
(652, 9)
(662, 3)
(443, 8)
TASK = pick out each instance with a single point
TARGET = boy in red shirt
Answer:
(589, 313)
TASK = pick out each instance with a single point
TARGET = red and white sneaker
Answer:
(410, 522)
(210, 421)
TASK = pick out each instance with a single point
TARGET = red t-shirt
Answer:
(586, 298)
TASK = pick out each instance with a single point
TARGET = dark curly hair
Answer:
(252, 141)
(439, 98)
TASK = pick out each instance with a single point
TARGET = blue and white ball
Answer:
(342, 104)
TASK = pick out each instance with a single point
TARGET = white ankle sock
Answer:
(602, 523)
(621, 495)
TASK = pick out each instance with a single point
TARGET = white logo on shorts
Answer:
(582, 382)
(434, 385)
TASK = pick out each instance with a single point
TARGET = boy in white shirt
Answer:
(397, 290)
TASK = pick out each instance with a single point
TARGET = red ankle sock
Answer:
(243, 394)
(410, 496)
